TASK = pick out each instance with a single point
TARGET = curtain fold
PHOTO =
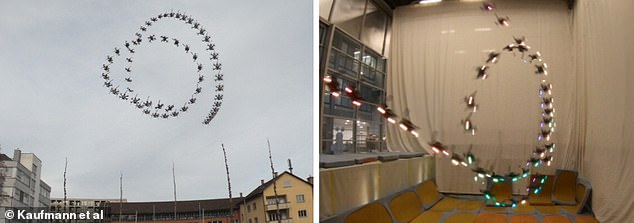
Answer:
(603, 48)
(436, 49)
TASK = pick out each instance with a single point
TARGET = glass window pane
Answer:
(373, 33)
(324, 8)
(371, 58)
(337, 135)
(322, 34)
(322, 39)
(368, 112)
(343, 64)
(380, 65)
(342, 105)
(368, 136)
(348, 15)
(371, 76)
(346, 45)
(371, 94)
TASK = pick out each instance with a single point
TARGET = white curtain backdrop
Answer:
(603, 36)
(435, 53)
(436, 49)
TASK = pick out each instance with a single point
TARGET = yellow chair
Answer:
(405, 207)
(446, 204)
(468, 205)
(428, 217)
(545, 195)
(428, 193)
(503, 191)
(564, 187)
(370, 213)
(581, 196)
(432, 199)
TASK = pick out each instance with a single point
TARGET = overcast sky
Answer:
(53, 103)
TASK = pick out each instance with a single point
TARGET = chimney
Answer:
(240, 194)
(17, 154)
(262, 182)
(310, 179)
(274, 174)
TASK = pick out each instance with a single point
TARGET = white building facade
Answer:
(20, 181)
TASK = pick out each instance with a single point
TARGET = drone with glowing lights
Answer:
(333, 87)
(124, 90)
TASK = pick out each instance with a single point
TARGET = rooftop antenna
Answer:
(174, 179)
(2, 178)
(290, 166)
(65, 168)
(228, 184)
(120, 195)
(277, 202)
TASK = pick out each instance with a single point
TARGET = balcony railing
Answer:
(273, 206)
(281, 221)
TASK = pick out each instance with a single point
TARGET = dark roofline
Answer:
(4, 157)
(260, 189)
(149, 207)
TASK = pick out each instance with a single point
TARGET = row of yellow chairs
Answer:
(424, 203)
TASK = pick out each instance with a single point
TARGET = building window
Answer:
(287, 184)
(281, 199)
(352, 53)
(250, 221)
(255, 219)
(254, 207)
(302, 213)
(300, 198)
(22, 197)
(274, 217)
(249, 209)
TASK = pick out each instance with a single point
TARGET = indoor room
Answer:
(475, 111)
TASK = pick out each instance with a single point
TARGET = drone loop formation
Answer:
(538, 157)
(155, 108)
(542, 154)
